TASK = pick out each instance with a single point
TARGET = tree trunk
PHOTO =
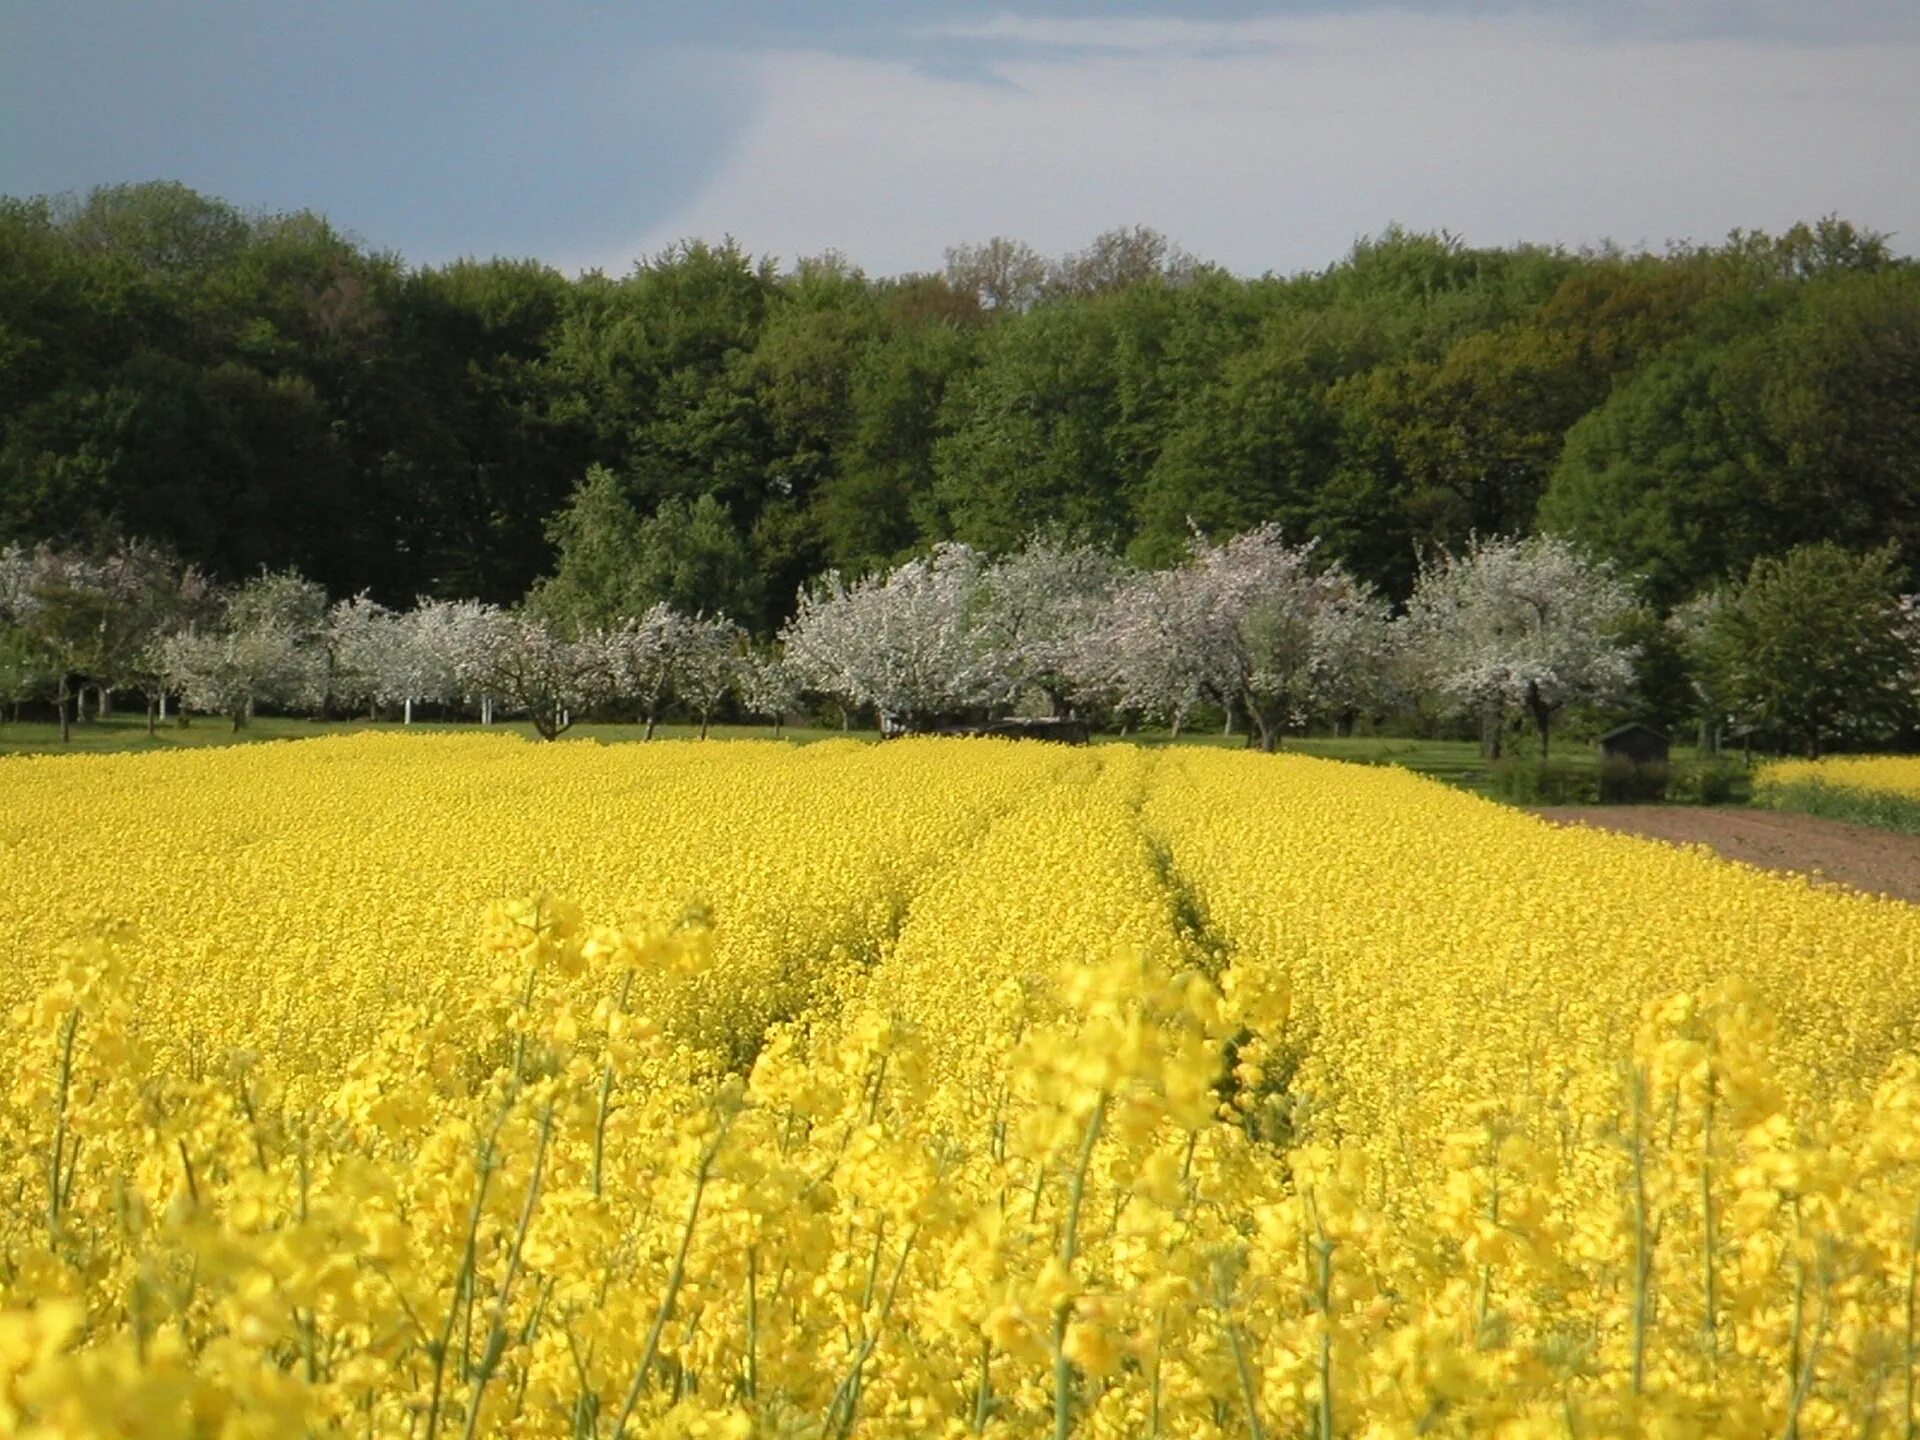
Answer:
(105, 707)
(407, 711)
(238, 721)
(779, 724)
(1542, 718)
(1490, 734)
(703, 725)
(1343, 727)
(1267, 727)
(163, 704)
(153, 710)
(60, 699)
(651, 722)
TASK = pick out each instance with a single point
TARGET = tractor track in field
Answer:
(1881, 862)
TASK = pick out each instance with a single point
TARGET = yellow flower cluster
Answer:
(939, 1088)
(1875, 774)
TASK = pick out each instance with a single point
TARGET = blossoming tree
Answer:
(1509, 623)
(905, 643)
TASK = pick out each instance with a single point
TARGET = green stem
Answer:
(56, 1159)
(1323, 1248)
(983, 1392)
(676, 1275)
(1709, 1238)
(1069, 1250)
(463, 1278)
(1642, 1248)
(496, 1343)
(753, 1323)
(606, 1095)
(1912, 1348)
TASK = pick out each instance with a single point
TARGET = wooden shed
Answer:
(1633, 765)
(1635, 743)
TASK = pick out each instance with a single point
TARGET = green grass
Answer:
(1878, 808)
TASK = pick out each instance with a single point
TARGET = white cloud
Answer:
(1271, 144)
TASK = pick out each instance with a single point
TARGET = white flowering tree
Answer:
(1285, 638)
(25, 670)
(1033, 613)
(73, 624)
(420, 664)
(1148, 652)
(532, 666)
(146, 594)
(1907, 626)
(269, 646)
(1254, 625)
(707, 667)
(58, 603)
(905, 643)
(453, 633)
(640, 659)
(768, 685)
(1517, 624)
(359, 634)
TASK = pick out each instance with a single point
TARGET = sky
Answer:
(1260, 136)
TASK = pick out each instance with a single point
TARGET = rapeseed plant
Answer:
(938, 1088)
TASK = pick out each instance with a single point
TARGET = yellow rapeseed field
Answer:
(436, 1087)
(1878, 774)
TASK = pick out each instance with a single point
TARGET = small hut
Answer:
(1633, 763)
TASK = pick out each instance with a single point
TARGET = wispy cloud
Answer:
(1273, 142)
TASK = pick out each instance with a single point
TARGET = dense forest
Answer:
(264, 391)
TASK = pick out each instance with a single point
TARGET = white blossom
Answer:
(905, 643)
(707, 665)
(1252, 624)
(1034, 611)
(531, 666)
(1527, 624)
(768, 685)
(640, 657)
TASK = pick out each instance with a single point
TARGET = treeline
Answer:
(1811, 648)
(264, 392)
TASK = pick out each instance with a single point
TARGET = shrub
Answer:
(1529, 782)
(1630, 782)
(1710, 781)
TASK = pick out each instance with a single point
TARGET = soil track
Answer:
(1833, 850)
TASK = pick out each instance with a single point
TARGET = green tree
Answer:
(596, 577)
(1812, 647)
(693, 557)
(1037, 433)
(1718, 452)
(877, 504)
(614, 564)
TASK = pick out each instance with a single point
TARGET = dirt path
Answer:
(1856, 855)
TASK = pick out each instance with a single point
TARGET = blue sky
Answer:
(1263, 136)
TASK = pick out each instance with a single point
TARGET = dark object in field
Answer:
(1633, 764)
(1063, 732)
